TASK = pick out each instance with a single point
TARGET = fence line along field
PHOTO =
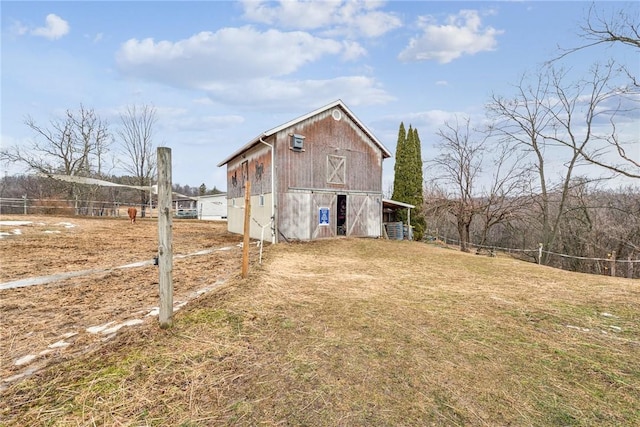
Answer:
(44, 322)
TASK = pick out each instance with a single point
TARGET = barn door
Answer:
(323, 202)
(364, 215)
(341, 215)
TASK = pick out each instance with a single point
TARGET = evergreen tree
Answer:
(411, 153)
(400, 167)
(407, 182)
(417, 218)
(419, 179)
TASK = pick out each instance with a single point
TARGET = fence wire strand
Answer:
(512, 250)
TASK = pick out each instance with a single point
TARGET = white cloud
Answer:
(463, 34)
(193, 123)
(229, 54)
(354, 90)
(427, 122)
(245, 66)
(304, 15)
(374, 24)
(55, 27)
(19, 29)
(249, 68)
(352, 18)
(352, 50)
(203, 101)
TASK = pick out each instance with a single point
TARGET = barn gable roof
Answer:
(255, 141)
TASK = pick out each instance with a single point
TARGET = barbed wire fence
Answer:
(611, 265)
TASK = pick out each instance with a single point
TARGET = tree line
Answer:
(516, 178)
(82, 144)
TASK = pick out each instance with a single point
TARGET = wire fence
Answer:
(25, 206)
(610, 265)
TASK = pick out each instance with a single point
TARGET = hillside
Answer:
(364, 332)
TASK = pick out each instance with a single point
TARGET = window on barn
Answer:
(336, 169)
(245, 173)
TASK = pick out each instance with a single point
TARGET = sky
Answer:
(220, 73)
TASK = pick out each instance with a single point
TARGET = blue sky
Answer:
(220, 73)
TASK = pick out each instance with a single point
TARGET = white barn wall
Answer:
(260, 216)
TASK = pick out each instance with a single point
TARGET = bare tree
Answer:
(521, 120)
(74, 145)
(457, 167)
(506, 197)
(136, 137)
(597, 99)
(552, 119)
(620, 28)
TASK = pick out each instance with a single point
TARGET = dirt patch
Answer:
(42, 323)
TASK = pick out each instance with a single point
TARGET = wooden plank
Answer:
(247, 231)
(323, 200)
(165, 241)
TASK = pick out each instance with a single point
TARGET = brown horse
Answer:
(132, 214)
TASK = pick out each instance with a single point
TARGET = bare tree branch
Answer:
(136, 138)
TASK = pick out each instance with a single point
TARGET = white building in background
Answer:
(213, 208)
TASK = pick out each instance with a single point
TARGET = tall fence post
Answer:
(247, 223)
(539, 253)
(629, 268)
(613, 264)
(165, 245)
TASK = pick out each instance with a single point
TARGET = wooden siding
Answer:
(339, 162)
(293, 216)
(299, 215)
(255, 166)
(323, 200)
(364, 215)
(325, 137)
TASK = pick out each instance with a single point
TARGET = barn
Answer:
(317, 176)
(213, 207)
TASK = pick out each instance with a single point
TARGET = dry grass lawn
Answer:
(358, 332)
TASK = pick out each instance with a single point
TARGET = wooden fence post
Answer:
(247, 223)
(539, 253)
(629, 268)
(165, 245)
(613, 264)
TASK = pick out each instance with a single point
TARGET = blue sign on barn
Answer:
(324, 216)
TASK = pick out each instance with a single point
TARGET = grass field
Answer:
(358, 332)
